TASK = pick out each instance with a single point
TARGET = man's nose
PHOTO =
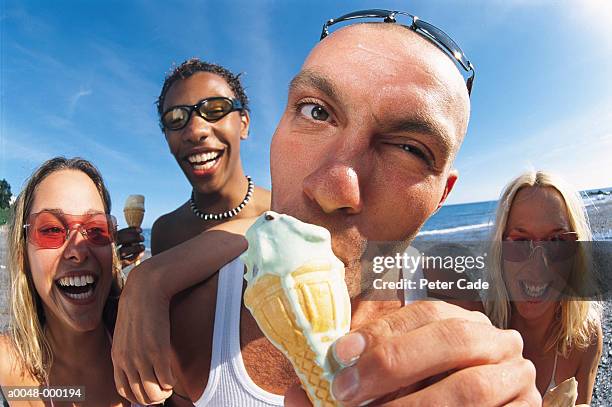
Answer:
(76, 247)
(196, 130)
(334, 187)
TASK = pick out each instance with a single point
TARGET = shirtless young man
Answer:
(204, 115)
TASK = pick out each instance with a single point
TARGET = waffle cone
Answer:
(564, 395)
(321, 315)
(133, 216)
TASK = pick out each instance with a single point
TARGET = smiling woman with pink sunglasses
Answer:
(65, 282)
(538, 271)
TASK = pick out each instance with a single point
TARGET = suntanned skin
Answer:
(76, 333)
(227, 186)
(539, 213)
(368, 162)
(268, 368)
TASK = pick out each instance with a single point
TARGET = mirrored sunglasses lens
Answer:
(215, 109)
(176, 118)
(443, 39)
(559, 250)
(515, 251)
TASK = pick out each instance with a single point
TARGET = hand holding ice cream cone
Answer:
(297, 294)
(133, 211)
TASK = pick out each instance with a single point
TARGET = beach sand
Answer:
(600, 215)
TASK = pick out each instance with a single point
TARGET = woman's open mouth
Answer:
(79, 289)
(204, 163)
(534, 291)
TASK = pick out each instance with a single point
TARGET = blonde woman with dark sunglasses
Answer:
(536, 262)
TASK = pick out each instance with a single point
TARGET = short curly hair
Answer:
(195, 65)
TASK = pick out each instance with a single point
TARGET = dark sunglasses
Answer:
(209, 109)
(431, 32)
(558, 248)
(50, 230)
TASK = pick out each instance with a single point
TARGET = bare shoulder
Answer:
(263, 199)
(6, 357)
(12, 373)
(164, 232)
(586, 362)
(593, 352)
(5, 348)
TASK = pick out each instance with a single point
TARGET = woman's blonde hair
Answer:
(27, 318)
(577, 319)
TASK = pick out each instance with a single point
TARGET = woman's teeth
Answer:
(534, 290)
(78, 281)
(203, 161)
(77, 287)
(81, 296)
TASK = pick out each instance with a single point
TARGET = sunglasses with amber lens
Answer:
(209, 109)
(50, 230)
(558, 248)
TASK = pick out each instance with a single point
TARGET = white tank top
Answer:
(228, 381)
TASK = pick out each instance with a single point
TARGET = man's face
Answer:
(365, 145)
(207, 152)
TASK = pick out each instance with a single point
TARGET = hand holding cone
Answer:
(297, 294)
(134, 213)
(134, 210)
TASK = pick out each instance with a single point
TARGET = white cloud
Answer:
(74, 99)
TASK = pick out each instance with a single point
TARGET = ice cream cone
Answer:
(564, 395)
(134, 210)
(301, 304)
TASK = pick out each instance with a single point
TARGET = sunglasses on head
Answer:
(50, 230)
(558, 248)
(429, 31)
(209, 109)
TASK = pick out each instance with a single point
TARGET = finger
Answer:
(126, 252)
(129, 235)
(422, 353)
(163, 372)
(137, 388)
(122, 384)
(151, 388)
(488, 385)
(418, 314)
(296, 397)
(523, 403)
(400, 322)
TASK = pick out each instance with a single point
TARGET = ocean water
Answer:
(474, 221)
(471, 221)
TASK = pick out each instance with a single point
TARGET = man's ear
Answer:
(450, 183)
(245, 119)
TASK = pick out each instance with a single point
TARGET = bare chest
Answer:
(545, 369)
(265, 364)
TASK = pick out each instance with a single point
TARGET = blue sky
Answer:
(81, 78)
